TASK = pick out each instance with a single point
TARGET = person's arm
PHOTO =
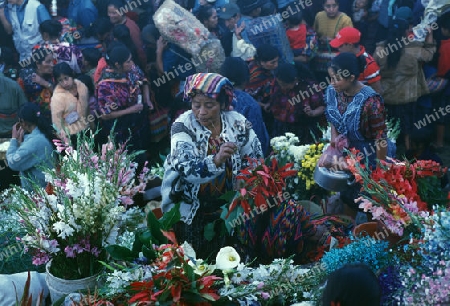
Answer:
(135, 34)
(146, 96)
(161, 45)
(187, 161)
(42, 14)
(5, 22)
(57, 109)
(377, 87)
(21, 155)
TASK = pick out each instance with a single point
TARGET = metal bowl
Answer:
(332, 180)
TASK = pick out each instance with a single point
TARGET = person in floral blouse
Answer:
(296, 104)
(36, 79)
(122, 103)
(209, 145)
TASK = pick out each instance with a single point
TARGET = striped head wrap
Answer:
(210, 85)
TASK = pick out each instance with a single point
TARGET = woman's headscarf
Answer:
(209, 84)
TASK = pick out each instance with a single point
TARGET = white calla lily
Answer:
(227, 259)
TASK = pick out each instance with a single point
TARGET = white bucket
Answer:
(59, 287)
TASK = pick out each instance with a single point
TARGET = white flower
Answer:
(227, 259)
(63, 229)
(189, 252)
(202, 268)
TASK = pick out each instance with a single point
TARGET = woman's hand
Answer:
(226, 150)
(136, 108)
(17, 132)
(238, 30)
(161, 44)
(39, 80)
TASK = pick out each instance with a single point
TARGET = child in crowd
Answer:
(302, 38)
(91, 56)
(295, 107)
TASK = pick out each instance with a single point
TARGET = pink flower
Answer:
(265, 295)
(40, 258)
(70, 252)
(365, 204)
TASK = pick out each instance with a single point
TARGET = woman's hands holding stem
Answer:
(226, 150)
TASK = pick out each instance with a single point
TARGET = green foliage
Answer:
(430, 191)
(147, 237)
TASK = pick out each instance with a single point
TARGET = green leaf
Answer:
(209, 233)
(170, 218)
(155, 228)
(118, 252)
(232, 219)
(145, 237)
(228, 196)
(137, 244)
(149, 252)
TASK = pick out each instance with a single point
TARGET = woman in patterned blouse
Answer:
(121, 101)
(209, 145)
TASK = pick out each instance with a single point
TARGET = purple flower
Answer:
(70, 252)
(40, 259)
(77, 248)
(95, 251)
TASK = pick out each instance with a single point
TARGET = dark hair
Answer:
(38, 55)
(62, 68)
(204, 12)
(396, 33)
(102, 26)
(92, 56)
(236, 70)
(352, 285)
(116, 3)
(408, 3)
(117, 53)
(52, 27)
(122, 34)
(304, 72)
(87, 80)
(31, 113)
(295, 19)
(268, 9)
(266, 53)
(444, 21)
(287, 73)
(346, 61)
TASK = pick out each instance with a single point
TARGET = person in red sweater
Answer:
(348, 40)
(443, 70)
(302, 38)
(117, 16)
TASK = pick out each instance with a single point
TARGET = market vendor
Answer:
(209, 145)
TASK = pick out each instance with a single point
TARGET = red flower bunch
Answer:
(174, 281)
(260, 181)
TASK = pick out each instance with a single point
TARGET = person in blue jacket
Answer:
(236, 70)
(30, 149)
(83, 12)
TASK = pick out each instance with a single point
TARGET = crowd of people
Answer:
(91, 65)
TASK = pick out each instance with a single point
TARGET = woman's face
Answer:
(46, 67)
(207, 111)
(66, 81)
(339, 83)
(127, 65)
(114, 16)
(331, 8)
(286, 86)
(270, 65)
(212, 21)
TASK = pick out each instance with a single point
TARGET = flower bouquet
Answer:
(83, 207)
(399, 193)
(304, 159)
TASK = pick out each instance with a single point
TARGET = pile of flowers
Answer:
(304, 160)
(398, 193)
(83, 207)
(426, 280)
